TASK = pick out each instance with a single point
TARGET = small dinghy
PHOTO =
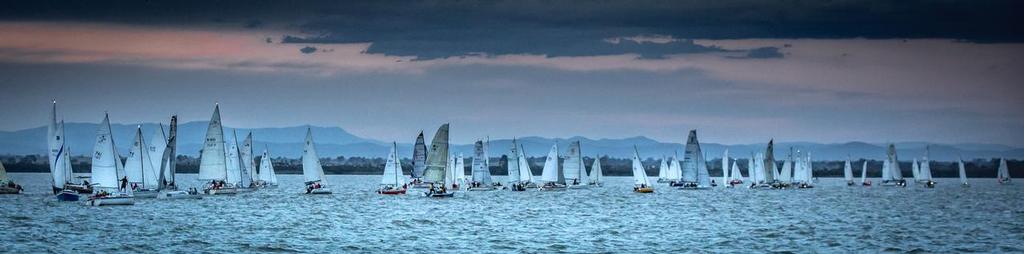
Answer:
(311, 168)
(267, 175)
(963, 173)
(597, 177)
(438, 166)
(392, 182)
(106, 170)
(848, 172)
(1003, 173)
(574, 168)
(6, 185)
(552, 176)
(864, 174)
(640, 182)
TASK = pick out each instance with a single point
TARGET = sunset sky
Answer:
(738, 71)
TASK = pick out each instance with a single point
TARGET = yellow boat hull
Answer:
(644, 190)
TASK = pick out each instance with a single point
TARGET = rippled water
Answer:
(831, 218)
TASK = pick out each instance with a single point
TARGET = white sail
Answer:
(168, 158)
(800, 168)
(1003, 173)
(460, 169)
(437, 157)
(675, 169)
(573, 167)
(735, 175)
(703, 176)
(512, 163)
(213, 163)
(848, 170)
(156, 146)
(312, 171)
(768, 163)
(894, 164)
(788, 170)
(963, 171)
(234, 171)
(886, 171)
(57, 156)
(245, 153)
(639, 175)
(751, 170)
(393, 169)
(690, 158)
(663, 169)
(550, 172)
(525, 173)
(481, 173)
(864, 172)
(106, 163)
(926, 167)
(809, 169)
(449, 176)
(267, 168)
(725, 167)
(595, 171)
(916, 171)
(3, 174)
(138, 167)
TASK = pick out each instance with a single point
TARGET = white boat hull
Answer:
(490, 188)
(178, 195)
(320, 191)
(579, 186)
(221, 191)
(108, 201)
(145, 193)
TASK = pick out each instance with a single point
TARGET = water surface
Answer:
(986, 217)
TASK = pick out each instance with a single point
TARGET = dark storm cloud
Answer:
(439, 29)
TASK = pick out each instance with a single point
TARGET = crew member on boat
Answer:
(124, 183)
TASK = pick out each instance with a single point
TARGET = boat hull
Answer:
(221, 191)
(579, 186)
(552, 188)
(391, 192)
(439, 194)
(643, 190)
(111, 201)
(178, 195)
(9, 190)
(145, 193)
(488, 188)
(319, 191)
(81, 189)
(68, 196)
(895, 183)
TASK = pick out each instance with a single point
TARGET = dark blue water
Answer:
(986, 217)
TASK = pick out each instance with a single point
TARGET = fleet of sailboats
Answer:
(150, 167)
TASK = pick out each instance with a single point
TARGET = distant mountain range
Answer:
(335, 141)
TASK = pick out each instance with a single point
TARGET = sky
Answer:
(738, 71)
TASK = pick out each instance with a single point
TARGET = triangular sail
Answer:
(926, 167)
(312, 171)
(915, 169)
(703, 176)
(639, 175)
(512, 163)
(3, 174)
(663, 169)
(525, 173)
(595, 170)
(675, 169)
(106, 163)
(168, 159)
(1004, 171)
(894, 164)
(864, 172)
(248, 163)
(690, 158)
(393, 169)
(787, 169)
(735, 175)
(419, 157)
(725, 166)
(437, 157)
(213, 163)
(460, 169)
(769, 163)
(848, 170)
(550, 172)
(138, 167)
(156, 145)
(963, 171)
(234, 171)
(481, 173)
(267, 168)
(57, 156)
(575, 171)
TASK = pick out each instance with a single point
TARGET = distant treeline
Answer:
(610, 166)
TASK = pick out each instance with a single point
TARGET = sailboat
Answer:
(213, 165)
(435, 172)
(691, 162)
(392, 182)
(238, 173)
(574, 168)
(735, 177)
(675, 170)
(597, 176)
(513, 169)
(925, 170)
(481, 172)
(1003, 173)
(552, 175)
(525, 172)
(59, 158)
(963, 172)
(142, 177)
(419, 163)
(663, 170)
(6, 185)
(640, 182)
(168, 167)
(891, 174)
(250, 178)
(805, 176)
(725, 169)
(788, 171)
(107, 171)
(864, 174)
(765, 169)
(848, 172)
(312, 171)
(460, 172)
(267, 174)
